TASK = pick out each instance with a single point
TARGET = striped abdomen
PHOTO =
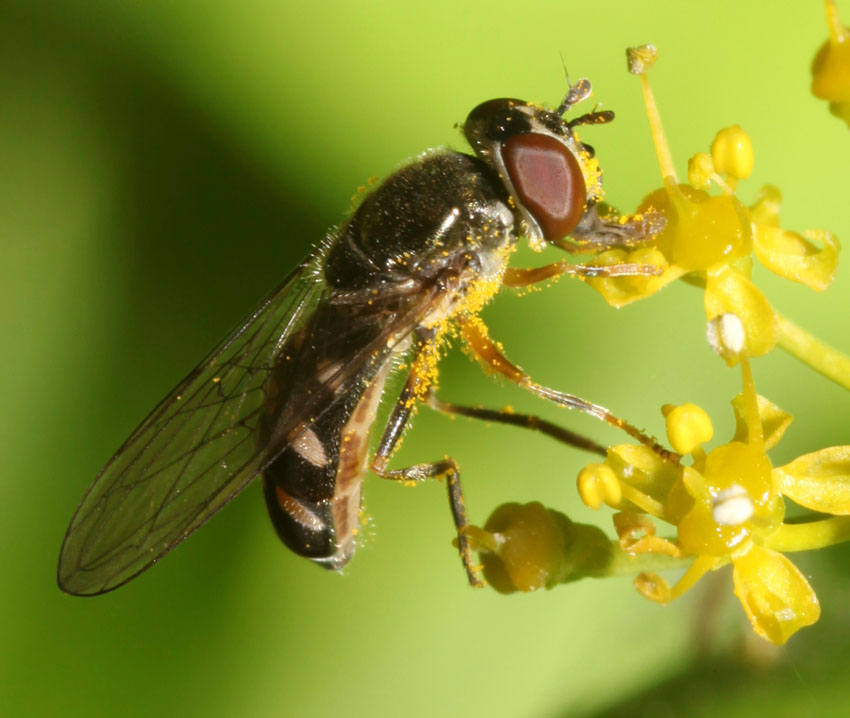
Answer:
(312, 488)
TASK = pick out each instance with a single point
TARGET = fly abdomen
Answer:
(312, 487)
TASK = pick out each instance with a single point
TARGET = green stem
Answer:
(810, 535)
(812, 351)
(621, 563)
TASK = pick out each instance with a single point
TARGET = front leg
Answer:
(519, 277)
(594, 234)
(591, 236)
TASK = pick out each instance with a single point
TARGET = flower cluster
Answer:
(727, 506)
(724, 505)
(711, 239)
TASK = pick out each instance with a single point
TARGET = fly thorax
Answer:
(475, 285)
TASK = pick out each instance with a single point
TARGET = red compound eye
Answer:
(548, 180)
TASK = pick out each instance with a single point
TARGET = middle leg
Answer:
(525, 421)
(416, 388)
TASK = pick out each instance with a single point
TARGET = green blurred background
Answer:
(162, 164)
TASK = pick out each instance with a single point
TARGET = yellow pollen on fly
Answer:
(591, 171)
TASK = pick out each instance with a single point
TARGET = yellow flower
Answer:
(727, 506)
(831, 66)
(711, 238)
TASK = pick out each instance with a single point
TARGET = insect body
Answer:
(409, 258)
(292, 394)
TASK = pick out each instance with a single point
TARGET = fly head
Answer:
(552, 177)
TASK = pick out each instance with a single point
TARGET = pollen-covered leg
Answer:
(594, 234)
(475, 335)
(515, 277)
(448, 468)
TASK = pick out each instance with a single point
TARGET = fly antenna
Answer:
(595, 117)
(576, 93)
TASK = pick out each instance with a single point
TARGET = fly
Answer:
(293, 393)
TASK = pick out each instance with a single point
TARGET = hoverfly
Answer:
(292, 394)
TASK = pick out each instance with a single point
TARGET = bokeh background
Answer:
(163, 164)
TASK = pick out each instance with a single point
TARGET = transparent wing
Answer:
(190, 456)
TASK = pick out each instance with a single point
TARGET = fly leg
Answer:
(594, 234)
(475, 335)
(523, 277)
(525, 421)
(415, 389)
(596, 237)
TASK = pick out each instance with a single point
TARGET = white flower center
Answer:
(732, 506)
(726, 335)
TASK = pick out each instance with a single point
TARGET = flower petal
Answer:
(643, 469)
(776, 596)
(774, 421)
(710, 232)
(765, 211)
(819, 481)
(793, 257)
(636, 532)
(729, 291)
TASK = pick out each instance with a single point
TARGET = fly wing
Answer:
(190, 456)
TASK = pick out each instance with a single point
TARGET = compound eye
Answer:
(548, 180)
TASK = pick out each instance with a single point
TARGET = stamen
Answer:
(640, 59)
